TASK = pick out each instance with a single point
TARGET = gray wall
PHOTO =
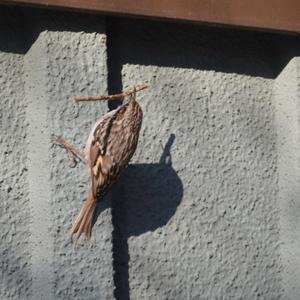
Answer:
(204, 211)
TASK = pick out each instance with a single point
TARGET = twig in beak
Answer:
(110, 97)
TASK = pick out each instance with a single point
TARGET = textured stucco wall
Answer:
(14, 204)
(49, 89)
(287, 101)
(41, 195)
(220, 241)
(201, 211)
(224, 223)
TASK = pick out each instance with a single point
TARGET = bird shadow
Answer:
(144, 199)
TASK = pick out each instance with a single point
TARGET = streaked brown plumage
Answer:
(110, 146)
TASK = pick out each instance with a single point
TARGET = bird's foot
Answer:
(71, 150)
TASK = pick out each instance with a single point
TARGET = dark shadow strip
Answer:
(120, 253)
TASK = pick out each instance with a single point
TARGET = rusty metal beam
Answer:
(260, 14)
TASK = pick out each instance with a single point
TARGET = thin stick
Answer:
(110, 97)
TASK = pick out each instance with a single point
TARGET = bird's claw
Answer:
(72, 159)
(59, 140)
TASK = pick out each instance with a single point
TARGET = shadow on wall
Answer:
(151, 194)
(227, 50)
(21, 26)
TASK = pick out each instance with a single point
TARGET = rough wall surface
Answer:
(221, 239)
(286, 97)
(226, 222)
(39, 84)
(14, 205)
(49, 62)
(196, 214)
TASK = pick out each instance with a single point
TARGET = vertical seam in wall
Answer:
(114, 64)
(38, 148)
(119, 243)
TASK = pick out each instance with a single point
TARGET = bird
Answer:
(110, 145)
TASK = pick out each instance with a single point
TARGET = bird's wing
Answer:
(104, 151)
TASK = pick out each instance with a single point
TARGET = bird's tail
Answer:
(83, 222)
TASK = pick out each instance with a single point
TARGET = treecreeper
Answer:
(109, 148)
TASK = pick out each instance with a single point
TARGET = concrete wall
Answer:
(286, 97)
(204, 209)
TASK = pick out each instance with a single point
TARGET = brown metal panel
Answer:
(263, 14)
